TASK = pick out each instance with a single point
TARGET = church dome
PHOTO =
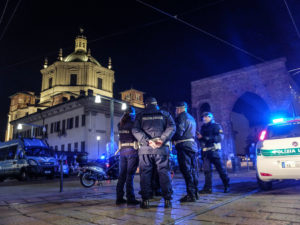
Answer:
(81, 56)
(80, 53)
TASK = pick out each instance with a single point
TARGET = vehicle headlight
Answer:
(32, 162)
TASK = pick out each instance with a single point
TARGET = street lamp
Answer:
(20, 126)
(98, 99)
(124, 106)
(98, 140)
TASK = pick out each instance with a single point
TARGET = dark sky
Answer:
(149, 51)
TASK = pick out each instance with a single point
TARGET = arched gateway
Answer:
(263, 86)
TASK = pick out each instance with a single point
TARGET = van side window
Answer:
(3, 154)
(12, 150)
(8, 153)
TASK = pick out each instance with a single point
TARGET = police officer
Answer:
(154, 128)
(184, 140)
(128, 159)
(210, 139)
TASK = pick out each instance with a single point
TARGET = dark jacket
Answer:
(125, 136)
(185, 129)
(211, 133)
(153, 123)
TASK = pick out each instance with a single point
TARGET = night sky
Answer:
(150, 51)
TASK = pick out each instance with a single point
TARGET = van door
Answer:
(2, 162)
(11, 161)
(15, 167)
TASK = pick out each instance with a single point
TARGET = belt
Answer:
(127, 144)
(185, 140)
(216, 147)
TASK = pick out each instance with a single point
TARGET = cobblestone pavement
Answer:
(40, 203)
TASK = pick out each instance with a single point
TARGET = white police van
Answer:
(25, 157)
(278, 152)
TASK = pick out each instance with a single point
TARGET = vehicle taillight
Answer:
(263, 135)
(266, 174)
(107, 165)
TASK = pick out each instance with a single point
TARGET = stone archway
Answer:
(250, 114)
(270, 81)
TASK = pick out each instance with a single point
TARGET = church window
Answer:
(73, 80)
(82, 146)
(83, 120)
(99, 83)
(50, 82)
(76, 121)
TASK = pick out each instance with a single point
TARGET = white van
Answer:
(25, 157)
(278, 152)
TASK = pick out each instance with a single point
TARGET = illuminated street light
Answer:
(98, 138)
(98, 99)
(19, 127)
(124, 106)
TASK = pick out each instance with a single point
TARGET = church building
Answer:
(76, 110)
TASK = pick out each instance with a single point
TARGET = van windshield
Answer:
(38, 151)
(284, 130)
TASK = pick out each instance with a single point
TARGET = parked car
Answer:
(278, 152)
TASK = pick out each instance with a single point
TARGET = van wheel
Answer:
(266, 186)
(23, 175)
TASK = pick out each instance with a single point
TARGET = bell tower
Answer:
(80, 42)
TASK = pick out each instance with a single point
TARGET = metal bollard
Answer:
(61, 176)
(247, 162)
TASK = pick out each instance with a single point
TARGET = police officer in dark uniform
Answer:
(128, 159)
(210, 139)
(184, 140)
(154, 128)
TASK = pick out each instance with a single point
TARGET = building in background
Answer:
(67, 112)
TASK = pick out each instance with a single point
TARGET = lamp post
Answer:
(112, 103)
(98, 140)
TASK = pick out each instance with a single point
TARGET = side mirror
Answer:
(21, 155)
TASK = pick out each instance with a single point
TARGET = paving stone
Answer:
(214, 218)
(272, 209)
(247, 214)
(70, 221)
(197, 222)
(47, 217)
(20, 219)
(285, 217)
(254, 221)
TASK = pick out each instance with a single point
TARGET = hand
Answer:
(199, 136)
(152, 144)
(158, 143)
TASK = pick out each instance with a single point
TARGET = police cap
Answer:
(151, 100)
(207, 114)
(181, 104)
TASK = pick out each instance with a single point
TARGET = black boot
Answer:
(188, 198)
(226, 188)
(145, 204)
(133, 202)
(168, 203)
(120, 201)
(205, 191)
(196, 196)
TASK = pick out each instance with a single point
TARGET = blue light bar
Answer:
(279, 120)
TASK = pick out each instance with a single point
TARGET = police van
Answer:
(278, 152)
(25, 157)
